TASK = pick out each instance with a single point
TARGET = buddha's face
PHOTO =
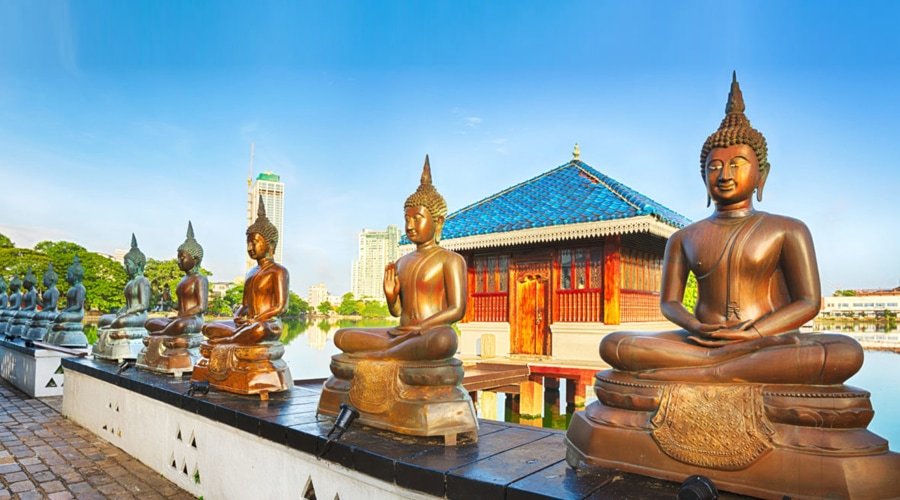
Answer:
(186, 261)
(48, 281)
(732, 174)
(257, 246)
(70, 277)
(421, 227)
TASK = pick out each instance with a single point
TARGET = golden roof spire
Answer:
(576, 153)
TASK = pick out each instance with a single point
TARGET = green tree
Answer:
(324, 307)
(234, 296)
(375, 309)
(218, 307)
(690, 293)
(296, 306)
(104, 278)
(5, 242)
(349, 305)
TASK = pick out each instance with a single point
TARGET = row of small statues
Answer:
(20, 317)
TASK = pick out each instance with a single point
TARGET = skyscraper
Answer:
(376, 250)
(269, 186)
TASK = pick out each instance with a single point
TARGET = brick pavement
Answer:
(44, 455)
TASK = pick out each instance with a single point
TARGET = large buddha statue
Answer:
(119, 334)
(21, 320)
(244, 355)
(405, 378)
(14, 299)
(68, 330)
(43, 320)
(172, 346)
(737, 394)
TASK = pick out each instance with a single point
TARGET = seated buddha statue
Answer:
(68, 330)
(43, 320)
(119, 334)
(4, 303)
(427, 290)
(14, 300)
(737, 394)
(757, 279)
(172, 344)
(21, 320)
(243, 355)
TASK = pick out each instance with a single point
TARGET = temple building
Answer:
(557, 261)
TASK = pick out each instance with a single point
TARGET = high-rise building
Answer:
(318, 293)
(376, 250)
(269, 186)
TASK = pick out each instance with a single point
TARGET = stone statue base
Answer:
(39, 329)
(244, 369)
(118, 344)
(68, 335)
(4, 325)
(18, 327)
(174, 355)
(419, 398)
(764, 440)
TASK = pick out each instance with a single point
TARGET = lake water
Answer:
(309, 346)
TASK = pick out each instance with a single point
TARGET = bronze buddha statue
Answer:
(244, 355)
(737, 394)
(21, 320)
(68, 330)
(43, 320)
(119, 335)
(427, 290)
(14, 300)
(172, 346)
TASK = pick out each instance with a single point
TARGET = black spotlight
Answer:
(697, 488)
(344, 418)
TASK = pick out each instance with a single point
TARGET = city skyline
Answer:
(137, 117)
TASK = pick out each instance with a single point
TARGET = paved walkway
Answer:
(44, 455)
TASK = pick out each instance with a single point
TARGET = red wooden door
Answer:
(532, 315)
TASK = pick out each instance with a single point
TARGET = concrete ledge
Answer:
(34, 371)
(581, 341)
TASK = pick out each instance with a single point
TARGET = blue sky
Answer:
(136, 116)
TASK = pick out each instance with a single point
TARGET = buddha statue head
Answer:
(2, 285)
(744, 143)
(262, 235)
(30, 279)
(75, 272)
(50, 277)
(15, 284)
(425, 210)
(190, 253)
(134, 259)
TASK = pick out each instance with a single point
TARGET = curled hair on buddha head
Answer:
(135, 255)
(427, 196)
(2, 284)
(15, 282)
(736, 129)
(264, 227)
(190, 245)
(50, 276)
(76, 268)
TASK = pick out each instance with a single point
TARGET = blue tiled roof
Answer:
(569, 194)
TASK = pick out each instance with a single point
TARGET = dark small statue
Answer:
(68, 330)
(14, 300)
(119, 336)
(44, 319)
(172, 346)
(21, 320)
